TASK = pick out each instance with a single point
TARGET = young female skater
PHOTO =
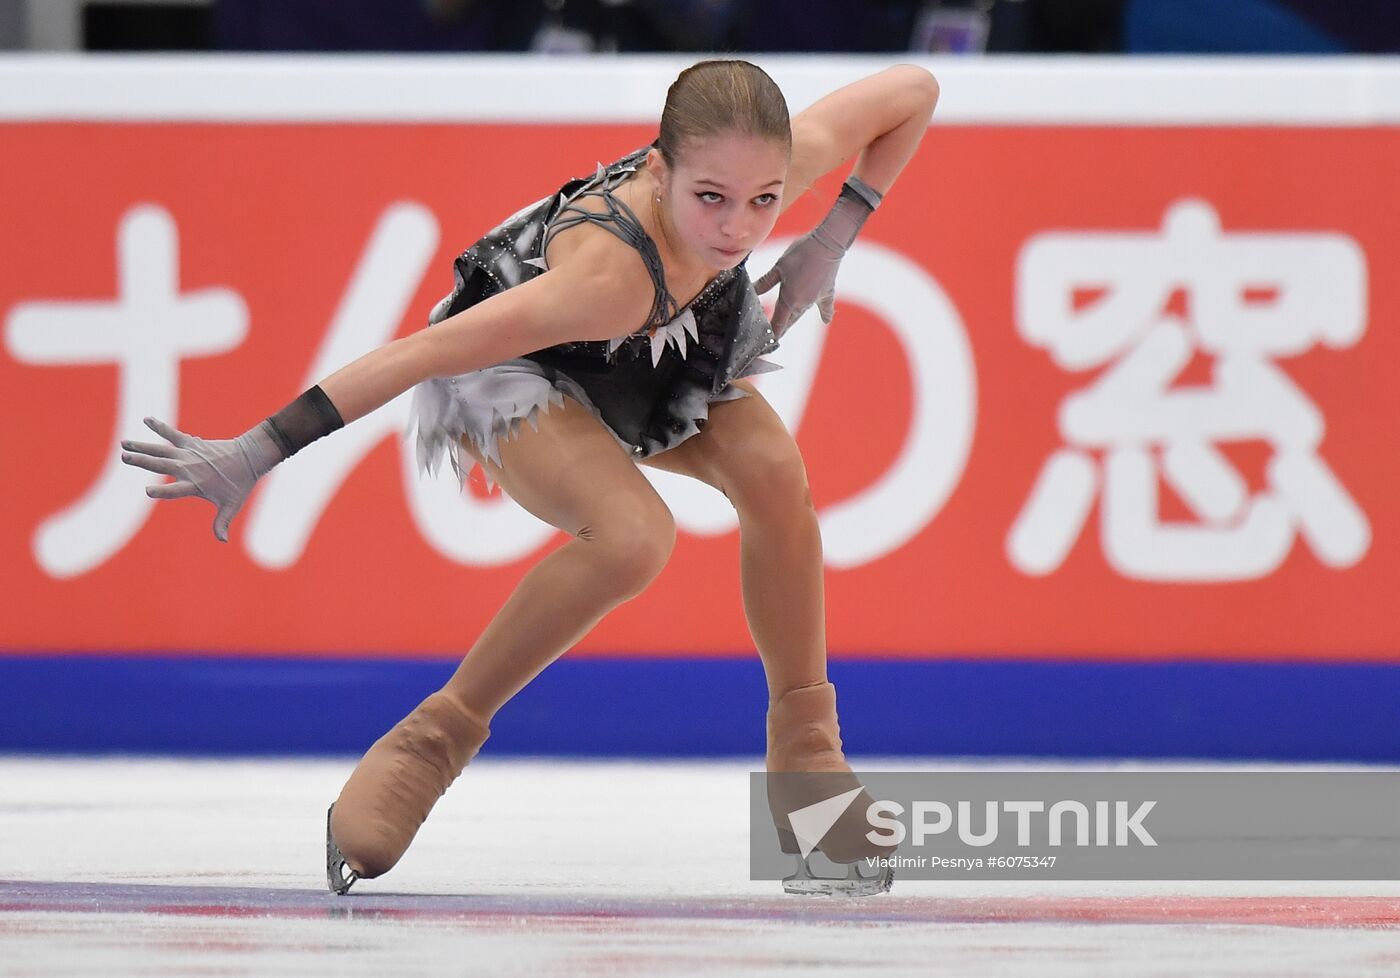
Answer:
(617, 320)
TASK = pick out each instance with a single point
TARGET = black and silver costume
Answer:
(651, 387)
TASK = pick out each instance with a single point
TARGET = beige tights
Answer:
(573, 475)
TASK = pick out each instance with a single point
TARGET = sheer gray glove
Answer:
(222, 472)
(807, 269)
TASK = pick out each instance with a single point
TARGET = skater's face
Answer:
(723, 195)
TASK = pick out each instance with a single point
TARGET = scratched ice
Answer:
(148, 867)
(1096, 298)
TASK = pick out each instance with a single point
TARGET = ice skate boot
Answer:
(805, 767)
(394, 786)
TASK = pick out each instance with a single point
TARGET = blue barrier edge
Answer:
(714, 707)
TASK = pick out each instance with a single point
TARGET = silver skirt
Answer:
(491, 404)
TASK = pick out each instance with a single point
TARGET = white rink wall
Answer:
(505, 88)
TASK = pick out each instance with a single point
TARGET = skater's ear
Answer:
(656, 165)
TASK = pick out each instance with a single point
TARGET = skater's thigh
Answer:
(743, 450)
(572, 473)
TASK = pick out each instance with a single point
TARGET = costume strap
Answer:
(620, 220)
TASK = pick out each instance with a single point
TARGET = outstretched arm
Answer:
(879, 120)
(593, 297)
(598, 294)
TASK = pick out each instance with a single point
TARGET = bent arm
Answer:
(879, 120)
(580, 301)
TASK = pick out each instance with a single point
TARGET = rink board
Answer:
(1105, 415)
(714, 708)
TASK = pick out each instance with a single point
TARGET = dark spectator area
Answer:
(869, 26)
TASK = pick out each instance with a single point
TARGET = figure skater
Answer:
(609, 325)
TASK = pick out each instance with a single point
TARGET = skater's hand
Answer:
(222, 472)
(807, 269)
(807, 272)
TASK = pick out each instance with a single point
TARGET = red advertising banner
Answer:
(1089, 392)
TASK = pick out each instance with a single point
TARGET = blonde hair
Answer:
(718, 96)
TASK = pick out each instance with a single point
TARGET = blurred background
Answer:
(1102, 438)
(625, 26)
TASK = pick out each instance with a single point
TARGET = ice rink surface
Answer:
(149, 867)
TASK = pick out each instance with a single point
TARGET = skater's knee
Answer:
(631, 543)
(771, 480)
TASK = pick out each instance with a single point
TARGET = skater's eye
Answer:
(763, 200)
(710, 197)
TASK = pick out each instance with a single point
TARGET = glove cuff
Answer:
(310, 416)
(853, 205)
(864, 191)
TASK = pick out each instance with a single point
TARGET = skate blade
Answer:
(339, 876)
(806, 883)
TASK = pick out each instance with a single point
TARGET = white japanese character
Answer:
(1107, 298)
(146, 331)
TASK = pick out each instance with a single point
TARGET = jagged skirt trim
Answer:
(491, 405)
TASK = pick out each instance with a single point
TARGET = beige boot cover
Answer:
(398, 781)
(803, 736)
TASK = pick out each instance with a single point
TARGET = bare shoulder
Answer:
(602, 280)
(588, 253)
